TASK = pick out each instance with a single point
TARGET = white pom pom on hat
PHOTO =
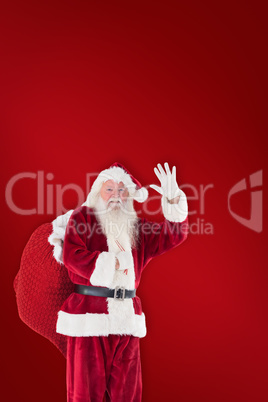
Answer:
(118, 173)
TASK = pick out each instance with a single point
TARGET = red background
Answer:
(87, 83)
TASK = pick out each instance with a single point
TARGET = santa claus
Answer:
(105, 249)
(88, 263)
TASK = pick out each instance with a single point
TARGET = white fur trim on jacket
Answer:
(103, 273)
(100, 324)
(57, 236)
(125, 259)
(175, 212)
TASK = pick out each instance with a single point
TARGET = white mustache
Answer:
(115, 200)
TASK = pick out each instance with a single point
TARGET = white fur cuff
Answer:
(175, 212)
(57, 236)
(103, 273)
(125, 260)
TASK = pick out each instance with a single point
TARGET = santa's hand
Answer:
(169, 187)
(125, 259)
(117, 265)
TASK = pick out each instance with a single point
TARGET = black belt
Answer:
(119, 293)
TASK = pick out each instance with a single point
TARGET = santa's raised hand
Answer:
(169, 187)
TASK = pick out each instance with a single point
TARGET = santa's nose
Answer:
(116, 194)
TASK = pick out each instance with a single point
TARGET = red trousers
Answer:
(103, 368)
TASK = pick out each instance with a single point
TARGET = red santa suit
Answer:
(103, 333)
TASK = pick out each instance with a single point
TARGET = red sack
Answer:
(42, 283)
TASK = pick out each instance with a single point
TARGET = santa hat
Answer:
(118, 173)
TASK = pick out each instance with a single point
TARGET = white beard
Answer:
(118, 222)
(119, 226)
